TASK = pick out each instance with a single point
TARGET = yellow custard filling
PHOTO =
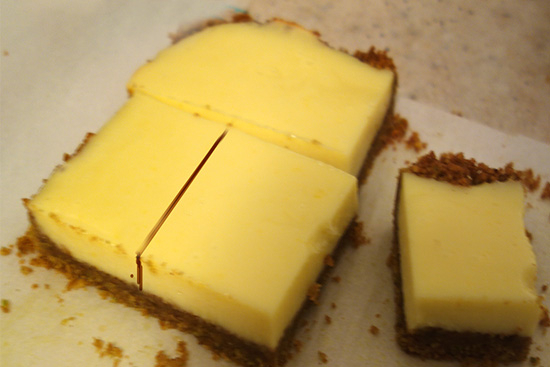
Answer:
(278, 82)
(466, 262)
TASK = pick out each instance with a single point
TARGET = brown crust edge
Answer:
(436, 343)
(221, 342)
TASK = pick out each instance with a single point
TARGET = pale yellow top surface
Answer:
(243, 245)
(278, 82)
(467, 263)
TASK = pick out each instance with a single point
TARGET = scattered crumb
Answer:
(329, 261)
(6, 306)
(322, 357)
(163, 325)
(544, 288)
(545, 320)
(35, 286)
(76, 283)
(46, 286)
(25, 246)
(328, 319)
(545, 192)
(109, 350)
(337, 279)
(103, 293)
(535, 361)
(5, 53)
(457, 113)
(313, 293)
(414, 143)
(357, 235)
(377, 315)
(298, 345)
(5, 251)
(333, 305)
(162, 360)
(374, 330)
(26, 270)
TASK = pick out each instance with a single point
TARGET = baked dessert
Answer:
(464, 268)
(276, 81)
(245, 225)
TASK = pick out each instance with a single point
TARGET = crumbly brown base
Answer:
(222, 342)
(437, 343)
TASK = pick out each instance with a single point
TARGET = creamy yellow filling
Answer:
(466, 262)
(278, 82)
(240, 249)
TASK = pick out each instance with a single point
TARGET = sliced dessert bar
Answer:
(466, 271)
(239, 251)
(279, 82)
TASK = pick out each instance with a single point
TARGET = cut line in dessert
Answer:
(171, 207)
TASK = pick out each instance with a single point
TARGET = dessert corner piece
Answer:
(465, 271)
(279, 82)
(240, 249)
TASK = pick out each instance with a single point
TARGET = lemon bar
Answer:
(467, 268)
(276, 81)
(240, 249)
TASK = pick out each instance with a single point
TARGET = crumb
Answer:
(6, 306)
(377, 315)
(162, 360)
(76, 283)
(374, 330)
(336, 279)
(328, 319)
(414, 143)
(529, 235)
(329, 261)
(5, 53)
(46, 286)
(25, 246)
(535, 361)
(322, 357)
(110, 350)
(298, 345)
(457, 113)
(313, 293)
(103, 293)
(357, 235)
(163, 324)
(35, 286)
(545, 320)
(333, 305)
(545, 192)
(544, 288)
(26, 270)
(5, 251)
